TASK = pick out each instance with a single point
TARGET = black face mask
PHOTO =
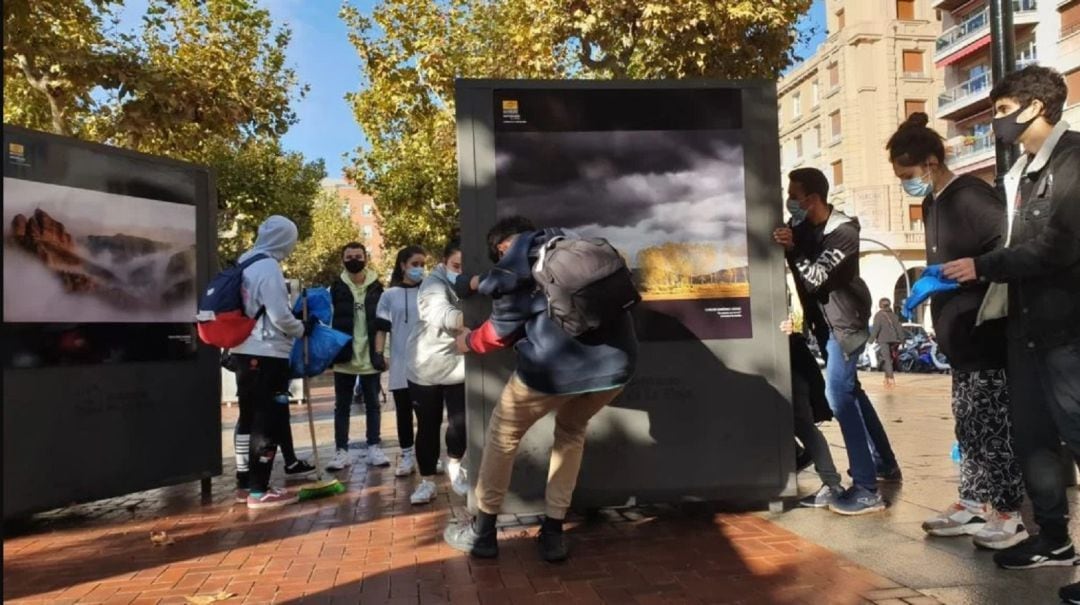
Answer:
(1008, 130)
(354, 266)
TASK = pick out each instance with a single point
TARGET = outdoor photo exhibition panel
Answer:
(106, 390)
(684, 181)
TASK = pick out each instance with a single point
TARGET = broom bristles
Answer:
(321, 489)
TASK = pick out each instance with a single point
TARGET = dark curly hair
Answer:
(1031, 83)
(915, 142)
(505, 228)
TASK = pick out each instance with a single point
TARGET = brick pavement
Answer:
(371, 546)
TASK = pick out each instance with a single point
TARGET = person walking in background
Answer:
(397, 315)
(964, 216)
(436, 376)
(1040, 264)
(355, 297)
(262, 364)
(822, 244)
(888, 333)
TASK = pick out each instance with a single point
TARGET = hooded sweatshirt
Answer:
(433, 358)
(263, 286)
(355, 307)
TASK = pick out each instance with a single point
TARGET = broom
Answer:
(321, 488)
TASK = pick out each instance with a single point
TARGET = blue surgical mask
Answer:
(415, 274)
(798, 213)
(917, 187)
(452, 276)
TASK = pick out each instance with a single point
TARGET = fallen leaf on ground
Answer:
(161, 538)
(206, 599)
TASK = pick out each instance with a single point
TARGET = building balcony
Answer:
(975, 29)
(968, 95)
(972, 151)
(947, 5)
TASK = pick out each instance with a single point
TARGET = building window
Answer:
(834, 75)
(817, 137)
(368, 231)
(798, 147)
(915, 218)
(841, 20)
(838, 173)
(834, 118)
(913, 63)
(911, 107)
(815, 95)
(905, 10)
(369, 210)
(1070, 20)
(1072, 81)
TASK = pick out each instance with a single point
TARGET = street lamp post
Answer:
(903, 267)
(1003, 62)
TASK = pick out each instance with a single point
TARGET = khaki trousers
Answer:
(518, 409)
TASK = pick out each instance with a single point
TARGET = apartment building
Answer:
(362, 213)
(1046, 32)
(839, 108)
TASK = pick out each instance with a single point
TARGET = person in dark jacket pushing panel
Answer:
(822, 246)
(964, 216)
(574, 377)
(1040, 264)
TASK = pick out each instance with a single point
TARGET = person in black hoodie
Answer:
(572, 377)
(964, 216)
(1040, 267)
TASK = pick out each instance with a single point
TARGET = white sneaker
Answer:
(440, 469)
(339, 461)
(425, 492)
(958, 520)
(459, 480)
(407, 464)
(376, 457)
(1002, 530)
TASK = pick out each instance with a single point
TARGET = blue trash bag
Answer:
(318, 303)
(931, 282)
(324, 343)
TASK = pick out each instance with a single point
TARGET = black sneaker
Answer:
(890, 476)
(300, 467)
(477, 538)
(1037, 552)
(1070, 593)
(552, 542)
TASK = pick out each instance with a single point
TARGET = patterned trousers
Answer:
(989, 468)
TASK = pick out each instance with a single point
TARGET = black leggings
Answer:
(404, 406)
(261, 382)
(429, 401)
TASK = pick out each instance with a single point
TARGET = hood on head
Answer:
(277, 237)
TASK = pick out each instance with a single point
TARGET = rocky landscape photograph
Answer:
(76, 255)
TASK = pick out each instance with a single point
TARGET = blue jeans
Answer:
(853, 411)
(880, 448)
(370, 386)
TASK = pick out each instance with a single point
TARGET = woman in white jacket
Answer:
(436, 373)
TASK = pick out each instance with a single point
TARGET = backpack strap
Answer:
(251, 261)
(548, 245)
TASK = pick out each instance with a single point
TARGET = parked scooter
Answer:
(920, 353)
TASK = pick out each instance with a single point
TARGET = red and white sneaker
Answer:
(241, 496)
(273, 498)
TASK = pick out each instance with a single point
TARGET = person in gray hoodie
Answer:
(436, 374)
(262, 363)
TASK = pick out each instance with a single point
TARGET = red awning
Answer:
(969, 50)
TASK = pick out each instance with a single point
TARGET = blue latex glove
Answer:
(931, 282)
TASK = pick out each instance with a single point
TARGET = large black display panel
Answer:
(683, 178)
(106, 390)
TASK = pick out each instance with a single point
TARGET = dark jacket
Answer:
(549, 360)
(345, 312)
(804, 368)
(826, 262)
(966, 220)
(886, 328)
(1042, 261)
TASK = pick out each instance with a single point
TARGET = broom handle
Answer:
(307, 390)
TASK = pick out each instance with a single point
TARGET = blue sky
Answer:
(323, 58)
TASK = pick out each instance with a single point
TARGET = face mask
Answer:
(917, 187)
(354, 265)
(1008, 130)
(415, 273)
(452, 276)
(798, 213)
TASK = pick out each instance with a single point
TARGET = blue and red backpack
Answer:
(221, 318)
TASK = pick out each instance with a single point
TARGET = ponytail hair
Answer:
(915, 142)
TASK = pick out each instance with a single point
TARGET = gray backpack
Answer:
(586, 282)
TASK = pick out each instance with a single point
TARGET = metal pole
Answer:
(903, 267)
(1003, 62)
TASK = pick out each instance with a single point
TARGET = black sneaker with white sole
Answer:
(1037, 551)
(300, 467)
(1070, 594)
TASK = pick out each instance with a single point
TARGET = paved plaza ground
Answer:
(371, 546)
